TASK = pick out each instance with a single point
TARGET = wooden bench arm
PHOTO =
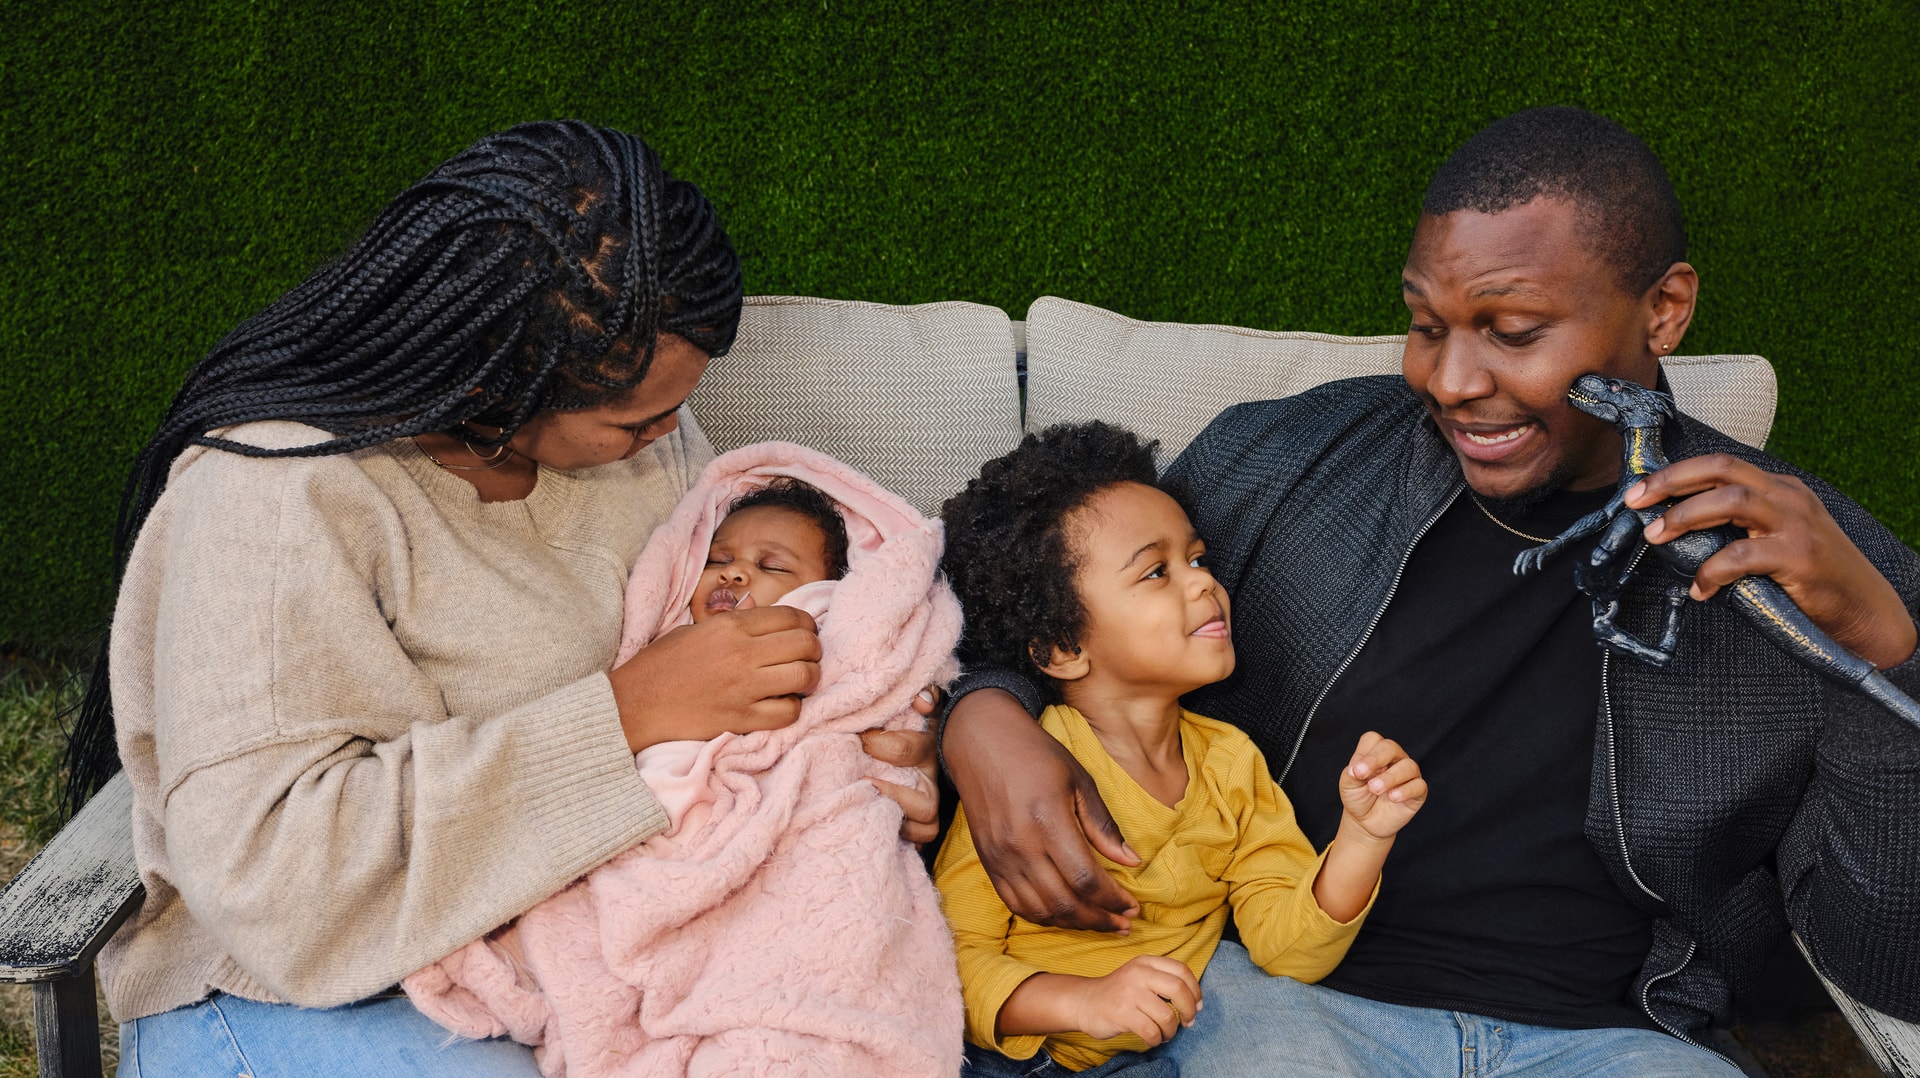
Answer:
(64, 906)
(57, 914)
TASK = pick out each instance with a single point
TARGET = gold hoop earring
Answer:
(499, 451)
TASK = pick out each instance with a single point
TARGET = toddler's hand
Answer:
(1151, 997)
(1381, 787)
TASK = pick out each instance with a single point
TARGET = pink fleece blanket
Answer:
(784, 929)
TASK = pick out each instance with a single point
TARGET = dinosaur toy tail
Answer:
(1877, 686)
(1778, 619)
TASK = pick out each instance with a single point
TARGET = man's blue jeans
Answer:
(1254, 1023)
(227, 1037)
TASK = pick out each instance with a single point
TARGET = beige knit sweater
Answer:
(365, 714)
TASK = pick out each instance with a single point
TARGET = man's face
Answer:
(1508, 309)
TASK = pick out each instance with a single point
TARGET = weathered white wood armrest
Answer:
(58, 913)
(1893, 1043)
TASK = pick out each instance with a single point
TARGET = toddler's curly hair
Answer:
(1008, 556)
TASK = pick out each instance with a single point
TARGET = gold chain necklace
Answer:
(1503, 525)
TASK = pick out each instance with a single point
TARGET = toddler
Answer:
(1068, 559)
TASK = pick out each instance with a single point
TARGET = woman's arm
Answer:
(298, 778)
(1034, 810)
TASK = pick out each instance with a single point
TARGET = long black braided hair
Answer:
(532, 271)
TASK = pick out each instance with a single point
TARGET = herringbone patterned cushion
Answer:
(1168, 380)
(916, 397)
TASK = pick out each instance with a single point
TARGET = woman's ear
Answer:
(1060, 664)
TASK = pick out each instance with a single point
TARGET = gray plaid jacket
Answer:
(1732, 794)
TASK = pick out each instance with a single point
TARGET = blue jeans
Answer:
(228, 1037)
(986, 1063)
(1254, 1023)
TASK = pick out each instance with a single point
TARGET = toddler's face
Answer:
(1156, 618)
(764, 551)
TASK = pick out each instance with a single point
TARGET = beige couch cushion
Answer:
(1168, 380)
(915, 397)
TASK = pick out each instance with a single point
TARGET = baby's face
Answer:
(764, 551)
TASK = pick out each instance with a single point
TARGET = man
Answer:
(1611, 850)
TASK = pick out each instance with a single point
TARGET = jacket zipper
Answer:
(1368, 635)
(1613, 766)
(1646, 1006)
(1620, 831)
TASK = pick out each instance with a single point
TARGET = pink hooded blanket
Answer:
(784, 928)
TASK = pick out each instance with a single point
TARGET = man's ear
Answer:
(1670, 308)
(1060, 664)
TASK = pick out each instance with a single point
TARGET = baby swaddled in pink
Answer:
(781, 927)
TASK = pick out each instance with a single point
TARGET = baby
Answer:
(1069, 560)
(779, 925)
(784, 542)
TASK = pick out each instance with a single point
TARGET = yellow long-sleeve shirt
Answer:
(1231, 841)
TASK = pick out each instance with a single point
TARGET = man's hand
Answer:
(1150, 997)
(735, 672)
(1033, 811)
(1790, 537)
(919, 804)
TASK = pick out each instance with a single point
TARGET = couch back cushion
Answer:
(1167, 380)
(916, 396)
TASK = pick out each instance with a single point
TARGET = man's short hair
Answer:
(1630, 215)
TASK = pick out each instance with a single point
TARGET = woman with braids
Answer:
(358, 672)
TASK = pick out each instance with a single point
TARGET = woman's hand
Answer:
(1033, 811)
(919, 803)
(1790, 537)
(736, 672)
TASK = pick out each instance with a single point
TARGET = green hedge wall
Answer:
(168, 169)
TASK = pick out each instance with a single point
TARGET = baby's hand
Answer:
(1381, 786)
(1151, 997)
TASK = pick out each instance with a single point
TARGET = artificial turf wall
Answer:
(170, 168)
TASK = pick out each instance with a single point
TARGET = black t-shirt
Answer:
(1492, 902)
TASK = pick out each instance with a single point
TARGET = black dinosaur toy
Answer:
(1637, 412)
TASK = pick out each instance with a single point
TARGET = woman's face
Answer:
(615, 431)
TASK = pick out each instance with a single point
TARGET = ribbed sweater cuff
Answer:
(995, 677)
(574, 767)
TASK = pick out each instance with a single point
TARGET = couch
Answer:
(916, 396)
